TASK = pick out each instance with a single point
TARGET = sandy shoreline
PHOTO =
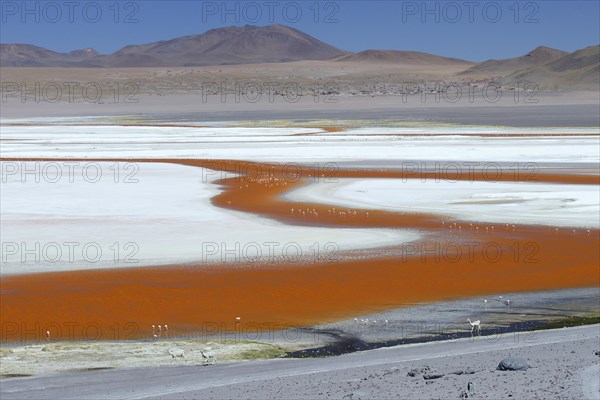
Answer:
(563, 365)
(551, 109)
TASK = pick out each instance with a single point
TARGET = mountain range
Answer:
(231, 45)
(224, 46)
(538, 56)
(278, 44)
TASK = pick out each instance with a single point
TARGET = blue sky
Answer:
(473, 30)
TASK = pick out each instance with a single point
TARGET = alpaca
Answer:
(207, 360)
(475, 326)
(176, 353)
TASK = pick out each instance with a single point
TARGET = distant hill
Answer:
(27, 55)
(539, 56)
(396, 56)
(577, 70)
(232, 45)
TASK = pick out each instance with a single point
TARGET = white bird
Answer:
(505, 301)
(47, 335)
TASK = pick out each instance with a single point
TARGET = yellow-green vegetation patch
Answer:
(15, 375)
(568, 322)
(91, 356)
(265, 353)
(4, 352)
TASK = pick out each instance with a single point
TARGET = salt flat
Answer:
(167, 217)
(476, 201)
(154, 214)
(281, 144)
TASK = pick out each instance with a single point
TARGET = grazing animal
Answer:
(176, 353)
(207, 360)
(475, 326)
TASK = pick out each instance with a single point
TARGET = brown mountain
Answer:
(232, 45)
(577, 70)
(396, 56)
(539, 56)
(84, 53)
(27, 55)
